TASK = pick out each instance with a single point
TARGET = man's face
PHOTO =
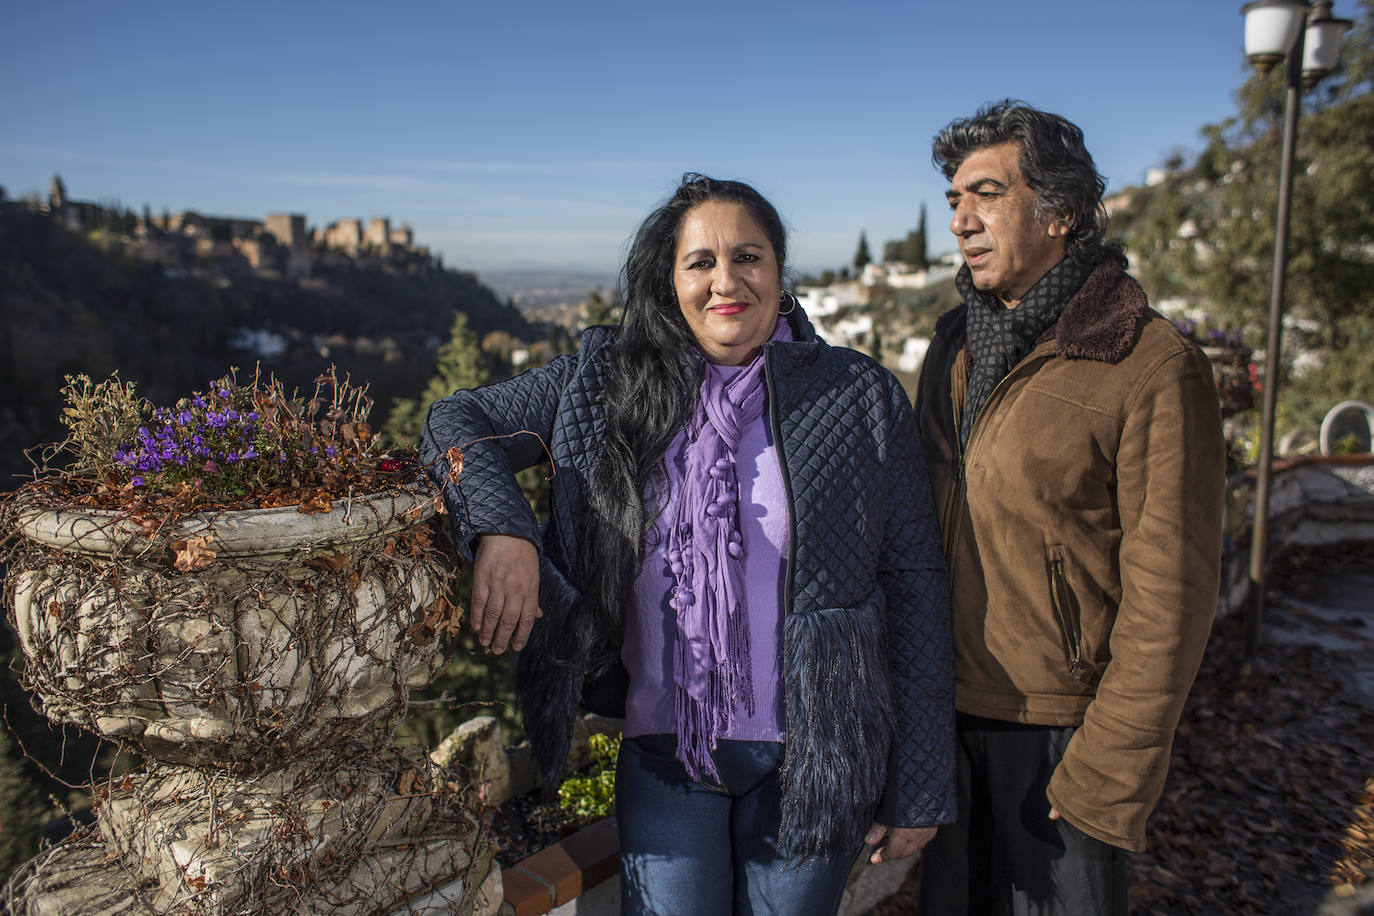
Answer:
(1007, 248)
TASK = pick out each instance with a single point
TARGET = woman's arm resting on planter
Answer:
(505, 591)
(496, 430)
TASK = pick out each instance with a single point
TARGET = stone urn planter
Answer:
(279, 635)
(258, 660)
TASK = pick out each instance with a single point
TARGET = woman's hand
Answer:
(893, 843)
(505, 591)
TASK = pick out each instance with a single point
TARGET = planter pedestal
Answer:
(261, 680)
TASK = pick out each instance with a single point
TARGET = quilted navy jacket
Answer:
(867, 661)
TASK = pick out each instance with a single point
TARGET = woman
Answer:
(742, 561)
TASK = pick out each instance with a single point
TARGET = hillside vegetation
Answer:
(93, 303)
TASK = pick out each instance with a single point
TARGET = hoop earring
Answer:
(791, 302)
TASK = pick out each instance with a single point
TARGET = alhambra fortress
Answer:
(280, 244)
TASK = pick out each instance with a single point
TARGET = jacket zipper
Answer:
(775, 424)
(1079, 669)
(960, 470)
(973, 430)
(952, 516)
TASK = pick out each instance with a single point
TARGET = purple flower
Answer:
(137, 482)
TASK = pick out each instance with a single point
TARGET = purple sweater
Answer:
(650, 630)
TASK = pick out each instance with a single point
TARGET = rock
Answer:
(580, 751)
(476, 745)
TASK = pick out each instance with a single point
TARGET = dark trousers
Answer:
(688, 849)
(1004, 856)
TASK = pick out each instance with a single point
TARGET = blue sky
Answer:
(519, 133)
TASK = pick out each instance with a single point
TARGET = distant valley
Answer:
(532, 289)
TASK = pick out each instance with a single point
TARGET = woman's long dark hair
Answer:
(652, 380)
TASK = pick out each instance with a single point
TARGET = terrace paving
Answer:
(1269, 806)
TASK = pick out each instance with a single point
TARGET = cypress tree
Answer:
(457, 364)
(861, 256)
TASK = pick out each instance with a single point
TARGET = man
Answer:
(1074, 440)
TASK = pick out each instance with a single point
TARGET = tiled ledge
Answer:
(555, 877)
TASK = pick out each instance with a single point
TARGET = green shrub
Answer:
(592, 794)
(1349, 444)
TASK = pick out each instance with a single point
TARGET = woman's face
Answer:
(728, 281)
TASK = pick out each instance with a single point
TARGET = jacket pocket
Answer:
(1066, 615)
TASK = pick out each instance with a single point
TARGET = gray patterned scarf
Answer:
(999, 337)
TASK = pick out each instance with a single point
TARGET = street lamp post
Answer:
(1306, 35)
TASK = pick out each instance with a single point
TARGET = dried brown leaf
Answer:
(411, 781)
(193, 553)
(455, 463)
(330, 562)
(316, 503)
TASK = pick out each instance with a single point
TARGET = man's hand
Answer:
(893, 843)
(505, 591)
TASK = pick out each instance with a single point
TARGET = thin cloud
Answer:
(348, 180)
(530, 168)
(305, 177)
(100, 159)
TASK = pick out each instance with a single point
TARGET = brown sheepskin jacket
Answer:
(1082, 527)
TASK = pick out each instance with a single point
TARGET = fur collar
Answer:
(1101, 322)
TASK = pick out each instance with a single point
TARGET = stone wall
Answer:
(1313, 501)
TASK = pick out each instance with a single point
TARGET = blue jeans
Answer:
(700, 850)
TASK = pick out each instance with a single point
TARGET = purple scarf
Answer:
(711, 662)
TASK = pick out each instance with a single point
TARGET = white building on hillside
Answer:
(913, 354)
